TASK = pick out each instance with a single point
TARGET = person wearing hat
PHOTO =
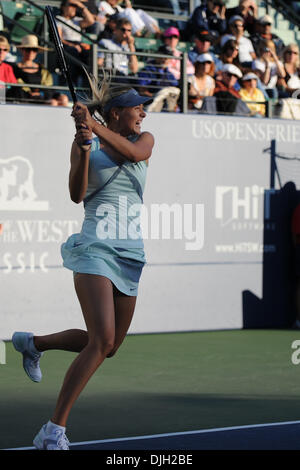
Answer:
(202, 83)
(227, 97)
(29, 71)
(202, 44)
(210, 16)
(236, 31)
(253, 97)
(106, 264)
(156, 75)
(263, 32)
(110, 26)
(170, 38)
(248, 10)
(6, 71)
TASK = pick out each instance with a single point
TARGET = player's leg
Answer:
(124, 309)
(73, 340)
(95, 294)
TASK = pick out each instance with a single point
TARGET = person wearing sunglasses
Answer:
(248, 10)
(30, 71)
(6, 71)
(170, 38)
(291, 62)
(236, 29)
(122, 41)
(228, 99)
(263, 32)
(252, 96)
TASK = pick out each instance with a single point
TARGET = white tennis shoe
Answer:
(23, 343)
(51, 437)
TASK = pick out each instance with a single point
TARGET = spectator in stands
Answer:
(268, 67)
(209, 16)
(264, 33)
(31, 72)
(99, 20)
(122, 41)
(229, 55)
(202, 41)
(226, 94)
(291, 82)
(156, 75)
(171, 38)
(139, 19)
(202, 83)
(59, 99)
(110, 7)
(110, 27)
(6, 71)
(248, 10)
(253, 97)
(236, 31)
(72, 40)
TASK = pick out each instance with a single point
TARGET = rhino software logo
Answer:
(17, 186)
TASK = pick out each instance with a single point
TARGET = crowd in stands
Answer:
(234, 55)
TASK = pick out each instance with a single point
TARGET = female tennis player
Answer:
(107, 256)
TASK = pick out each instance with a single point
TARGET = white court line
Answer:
(173, 434)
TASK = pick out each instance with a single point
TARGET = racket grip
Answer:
(87, 143)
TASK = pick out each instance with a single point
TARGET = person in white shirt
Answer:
(139, 19)
(202, 83)
(122, 41)
(268, 67)
(236, 31)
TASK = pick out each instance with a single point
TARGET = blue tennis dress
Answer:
(110, 242)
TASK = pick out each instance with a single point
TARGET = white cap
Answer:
(235, 18)
(230, 68)
(204, 58)
(265, 19)
(249, 76)
(226, 38)
(258, 65)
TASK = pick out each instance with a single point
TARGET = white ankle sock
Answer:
(51, 426)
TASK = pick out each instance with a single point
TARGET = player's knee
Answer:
(112, 352)
(102, 347)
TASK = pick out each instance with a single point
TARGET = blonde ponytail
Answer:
(102, 94)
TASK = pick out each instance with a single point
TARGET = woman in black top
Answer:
(29, 71)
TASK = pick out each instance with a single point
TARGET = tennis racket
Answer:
(61, 56)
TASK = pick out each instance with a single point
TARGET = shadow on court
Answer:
(142, 414)
(282, 436)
